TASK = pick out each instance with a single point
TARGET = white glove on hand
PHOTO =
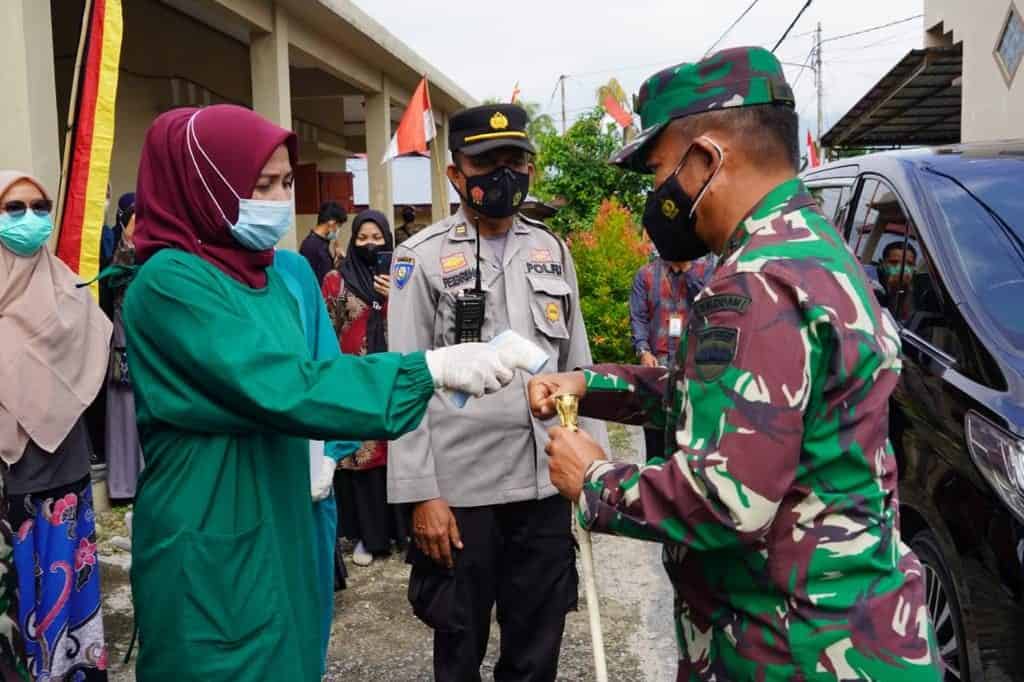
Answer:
(473, 368)
(321, 471)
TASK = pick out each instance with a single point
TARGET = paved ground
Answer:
(376, 637)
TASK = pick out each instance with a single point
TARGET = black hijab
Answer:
(357, 272)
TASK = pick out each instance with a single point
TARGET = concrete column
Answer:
(29, 131)
(441, 207)
(271, 84)
(378, 136)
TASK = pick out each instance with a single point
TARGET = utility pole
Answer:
(818, 82)
(561, 83)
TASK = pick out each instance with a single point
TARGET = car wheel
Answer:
(943, 608)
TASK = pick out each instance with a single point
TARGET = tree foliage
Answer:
(607, 257)
(574, 167)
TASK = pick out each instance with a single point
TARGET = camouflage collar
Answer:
(787, 197)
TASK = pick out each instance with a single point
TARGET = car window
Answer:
(911, 290)
(982, 204)
(879, 220)
(829, 199)
(863, 213)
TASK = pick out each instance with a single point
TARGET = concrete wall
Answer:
(992, 110)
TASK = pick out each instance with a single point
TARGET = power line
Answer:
(792, 24)
(873, 28)
(731, 27)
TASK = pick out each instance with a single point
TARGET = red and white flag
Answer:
(812, 152)
(615, 110)
(415, 129)
(515, 93)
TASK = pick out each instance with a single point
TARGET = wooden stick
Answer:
(62, 185)
(590, 590)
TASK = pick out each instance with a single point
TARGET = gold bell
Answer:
(568, 407)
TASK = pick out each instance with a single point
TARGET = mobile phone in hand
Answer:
(383, 263)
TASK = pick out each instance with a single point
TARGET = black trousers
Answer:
(654, 439)
(520, 556)
(364, 513)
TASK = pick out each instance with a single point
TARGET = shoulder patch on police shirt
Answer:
(721, 303)
(716, 349)
(402, 270)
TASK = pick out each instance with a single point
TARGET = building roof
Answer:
(917, 103)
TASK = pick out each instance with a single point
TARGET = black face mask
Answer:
(670, 219)
(367, 253)
(497, 194)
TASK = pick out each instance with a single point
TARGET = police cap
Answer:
(480, 129)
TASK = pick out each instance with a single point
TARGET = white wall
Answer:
(991, 109)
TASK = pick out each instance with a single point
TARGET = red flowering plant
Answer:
(608, 255)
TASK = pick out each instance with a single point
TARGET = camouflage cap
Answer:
(737, 77)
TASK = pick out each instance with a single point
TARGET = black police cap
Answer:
(480, 129)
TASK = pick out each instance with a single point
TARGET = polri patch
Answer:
(721, 303)
(716, 349)
(550, 269)
(453, 262)
(401, 273)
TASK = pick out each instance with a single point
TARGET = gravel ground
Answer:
(376, 637)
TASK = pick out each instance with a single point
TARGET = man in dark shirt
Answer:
(662, 295)
(407, 228)
(316, 247)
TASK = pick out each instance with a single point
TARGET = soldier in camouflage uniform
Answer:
(778, 512)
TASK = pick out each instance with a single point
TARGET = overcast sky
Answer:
(486, 46)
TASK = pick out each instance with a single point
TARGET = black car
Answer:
(940, 233)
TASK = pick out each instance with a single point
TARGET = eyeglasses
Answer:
(16, 209)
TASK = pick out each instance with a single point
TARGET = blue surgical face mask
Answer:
(261, 223)
(26, 234)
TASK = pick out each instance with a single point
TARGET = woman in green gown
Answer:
(224, 576)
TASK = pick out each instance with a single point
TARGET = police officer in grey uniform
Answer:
(489, 528)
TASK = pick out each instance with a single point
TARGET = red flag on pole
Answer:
(812, 152)
(615, 110)
(415, 129)
(515, 93)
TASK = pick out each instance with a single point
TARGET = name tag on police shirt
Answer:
(675, 326)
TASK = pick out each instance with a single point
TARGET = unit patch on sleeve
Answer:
(716, 349)
(721, 303)
(402, 270)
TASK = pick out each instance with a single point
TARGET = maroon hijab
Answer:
(174, 209)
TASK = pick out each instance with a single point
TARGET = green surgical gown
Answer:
(224, 575)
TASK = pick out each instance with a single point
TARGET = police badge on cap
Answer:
(480, 129)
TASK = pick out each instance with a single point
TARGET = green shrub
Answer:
(607, 256)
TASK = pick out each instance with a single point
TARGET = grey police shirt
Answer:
(492, 450)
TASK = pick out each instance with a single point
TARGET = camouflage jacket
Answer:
(778, 511)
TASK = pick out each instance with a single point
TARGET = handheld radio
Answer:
(470, 305)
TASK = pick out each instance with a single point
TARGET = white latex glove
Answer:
(473, 368)
(321, 471)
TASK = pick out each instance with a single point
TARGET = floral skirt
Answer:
(59, 583)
